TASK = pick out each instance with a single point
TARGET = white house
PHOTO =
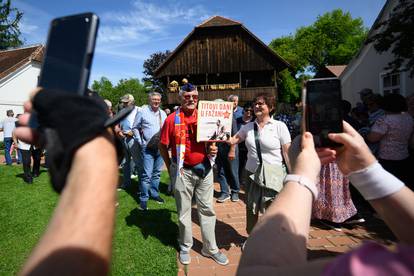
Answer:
(367, 68)
(19, 73)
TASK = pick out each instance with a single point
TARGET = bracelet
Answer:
(304, 181)
(375, 182)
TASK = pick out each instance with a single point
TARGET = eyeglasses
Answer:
(187, 97)
(259, 103)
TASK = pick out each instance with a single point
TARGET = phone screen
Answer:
(324, 109)
(69, 52)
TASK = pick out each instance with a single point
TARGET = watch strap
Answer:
(304, 181)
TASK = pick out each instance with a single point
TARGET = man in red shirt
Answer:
(192, 173)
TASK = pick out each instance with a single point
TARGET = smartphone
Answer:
(323, 110)
(69, 52)
(68, 56)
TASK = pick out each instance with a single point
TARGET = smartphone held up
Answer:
(323, 110)
(69, 52)
(68, 55)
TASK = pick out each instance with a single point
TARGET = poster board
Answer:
(214, 121)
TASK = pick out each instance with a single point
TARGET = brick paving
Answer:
(231, 233)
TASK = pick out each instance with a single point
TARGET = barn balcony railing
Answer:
(245, 94)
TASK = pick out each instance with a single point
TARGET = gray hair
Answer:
(183, 91)
(154, 93)
(231, 97)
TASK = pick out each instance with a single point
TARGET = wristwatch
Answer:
(304, 181)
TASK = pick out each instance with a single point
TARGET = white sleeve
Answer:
(284, 134)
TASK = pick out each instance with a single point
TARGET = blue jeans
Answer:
(132, 158)
(150, 174)
(227, 170)
(7, 145)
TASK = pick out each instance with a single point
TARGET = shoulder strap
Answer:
(257, 140)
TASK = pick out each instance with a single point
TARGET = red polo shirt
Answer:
(194, 152)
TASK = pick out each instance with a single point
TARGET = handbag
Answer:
(267, 175)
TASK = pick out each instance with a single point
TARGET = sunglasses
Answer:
(187, 97)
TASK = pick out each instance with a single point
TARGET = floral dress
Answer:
(334, 201)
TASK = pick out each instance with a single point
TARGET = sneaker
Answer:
(159, 200)
(234, 197)
(184, 257)
(219, 257)
(223, 198)
(134, 176)
(143, 206)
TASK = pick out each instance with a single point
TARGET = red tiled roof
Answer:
(336, 69)
(11, 60)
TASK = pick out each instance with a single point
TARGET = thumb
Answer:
(307, 141)
(342, 138)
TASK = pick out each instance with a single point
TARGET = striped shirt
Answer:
(147, 124)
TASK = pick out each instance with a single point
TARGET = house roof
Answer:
(214, 22)
(218, 21)
(13, 59)
(336, 69)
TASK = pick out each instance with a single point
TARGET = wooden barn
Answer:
(222, 57)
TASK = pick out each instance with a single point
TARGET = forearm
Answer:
(285, 150)
(281, 234)
(397, 210)
(84, 218)
(165, 155)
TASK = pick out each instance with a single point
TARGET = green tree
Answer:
(397, 34)
(150, 65)
(9, 26)
(333, 39)
(133, 86)
(288, 87)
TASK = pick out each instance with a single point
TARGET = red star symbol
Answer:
(226, 115)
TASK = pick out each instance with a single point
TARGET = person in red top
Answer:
(191, 174)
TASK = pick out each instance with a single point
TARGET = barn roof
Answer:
(222, 23)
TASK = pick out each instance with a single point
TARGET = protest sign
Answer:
(214, 121)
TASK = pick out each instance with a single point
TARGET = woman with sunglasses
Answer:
(274, 139)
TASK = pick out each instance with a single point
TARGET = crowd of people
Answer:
(260, 148)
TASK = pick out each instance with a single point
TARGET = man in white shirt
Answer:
(132, 149)
(7, 126)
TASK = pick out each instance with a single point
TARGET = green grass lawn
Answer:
(144, 242)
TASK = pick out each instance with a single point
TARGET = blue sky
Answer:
(131, 30)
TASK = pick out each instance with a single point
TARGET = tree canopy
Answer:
(334, 38)
(397, 33)
(107, 90)
(9, 26)
(150, 65)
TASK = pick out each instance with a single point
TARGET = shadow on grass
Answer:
(156, 223)
(133, 190)
(21, 175)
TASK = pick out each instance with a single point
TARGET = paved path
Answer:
(230, 233)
